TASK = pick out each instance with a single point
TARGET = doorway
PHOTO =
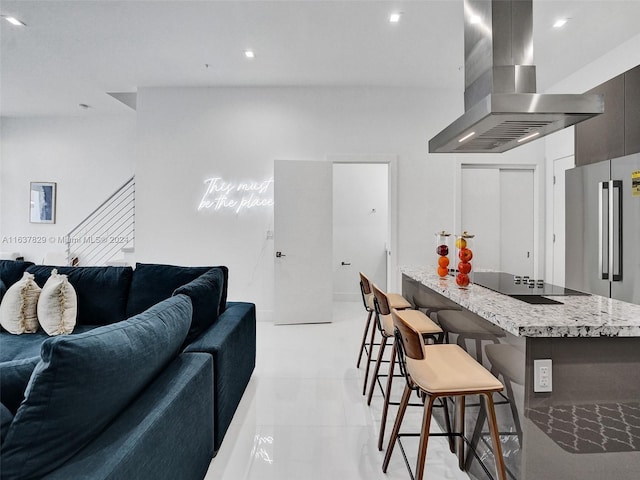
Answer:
(497, 205)
(360, 226)
(303, 239)
(385, 185)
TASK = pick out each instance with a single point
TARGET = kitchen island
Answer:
(588, 426)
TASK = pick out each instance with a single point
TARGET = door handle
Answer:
(602, 265)
(615, 229)
(345, 263)
(280, 254)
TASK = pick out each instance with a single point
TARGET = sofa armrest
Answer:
(164, 434)
(231, 340)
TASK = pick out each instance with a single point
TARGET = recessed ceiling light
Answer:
(560, 23)
(249, 54)
(14, 21)
(395, 17)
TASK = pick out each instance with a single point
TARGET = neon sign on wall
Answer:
(237, 196)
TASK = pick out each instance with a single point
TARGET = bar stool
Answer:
(384, 316)
(395, 299)
(432, 302)
(508, 362)
(441, 370)
(367, 300)
(468, 326)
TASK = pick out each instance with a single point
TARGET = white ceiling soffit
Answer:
(74, 51)
(128, 98)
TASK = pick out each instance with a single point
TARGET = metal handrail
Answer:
(131, 180)
(115, 215)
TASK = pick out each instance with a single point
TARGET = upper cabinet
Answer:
(616, 132)
(602, 137)
(632, 111)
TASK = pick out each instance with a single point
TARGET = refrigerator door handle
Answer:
(615, 230)
(602, 265)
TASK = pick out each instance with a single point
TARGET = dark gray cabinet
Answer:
(632, 111)
(602, 137)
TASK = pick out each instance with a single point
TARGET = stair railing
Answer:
(106, 231)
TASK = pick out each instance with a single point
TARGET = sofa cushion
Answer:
(84, 381)
(153, 282)
(14, 377)
(11, 271)
(102, 291)
(57, 305)
(205, 293)
(6, 417)
(18, 310)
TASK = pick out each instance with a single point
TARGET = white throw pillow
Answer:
(57, 305)
(19, 304)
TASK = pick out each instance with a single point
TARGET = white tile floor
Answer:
(303, 415)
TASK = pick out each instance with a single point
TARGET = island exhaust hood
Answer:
(502, 108)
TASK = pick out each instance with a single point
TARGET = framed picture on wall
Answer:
(42, 207)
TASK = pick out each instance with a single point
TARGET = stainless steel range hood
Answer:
(502, 108)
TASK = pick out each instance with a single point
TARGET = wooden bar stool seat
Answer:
(449, 368)
(416, 318)
(398, 302)
(441, 370)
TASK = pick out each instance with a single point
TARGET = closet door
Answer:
(498, 207)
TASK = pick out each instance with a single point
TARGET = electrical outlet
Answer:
(542, 375)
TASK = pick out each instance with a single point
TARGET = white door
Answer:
(560, 166)
(481, 215)
(303, 241)
(516, 221)
(498, 208)
(360, 226)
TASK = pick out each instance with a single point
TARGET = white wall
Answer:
(186, 135)
(561, 144)
(189, 134)
(88, 157)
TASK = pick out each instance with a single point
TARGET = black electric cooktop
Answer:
(517, 286)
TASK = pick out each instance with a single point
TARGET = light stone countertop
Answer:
(578, 316)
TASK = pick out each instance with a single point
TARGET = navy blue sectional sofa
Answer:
(144, 388)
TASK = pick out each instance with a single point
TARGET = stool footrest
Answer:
(443, 434)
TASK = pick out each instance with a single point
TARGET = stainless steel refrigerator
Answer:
(602, 250)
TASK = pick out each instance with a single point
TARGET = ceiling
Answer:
(74, 52)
